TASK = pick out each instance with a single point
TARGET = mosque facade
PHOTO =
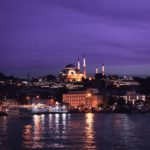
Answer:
(71, 73)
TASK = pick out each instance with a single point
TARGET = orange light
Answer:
(89, 95)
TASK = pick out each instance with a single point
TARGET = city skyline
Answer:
(42, 37)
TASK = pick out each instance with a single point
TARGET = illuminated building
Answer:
(103, 70)
(96, 70)
(87, 98)
(71, 73)
(84, 68)
(125, 82)
(78, 64)
(133, 96)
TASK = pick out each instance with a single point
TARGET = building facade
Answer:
(133, 96)
(88, 98)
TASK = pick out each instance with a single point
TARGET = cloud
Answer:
(53, 33)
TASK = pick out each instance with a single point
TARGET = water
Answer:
(76, 131)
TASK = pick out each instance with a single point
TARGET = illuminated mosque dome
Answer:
(71, 73)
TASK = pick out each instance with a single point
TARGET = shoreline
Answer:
(61, 113)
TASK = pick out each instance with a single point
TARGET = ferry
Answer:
(18, 111)
(58, 109)
(27, 110)
(39, 109)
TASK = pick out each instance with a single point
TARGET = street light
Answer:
(89, 95)
(28, 98)
(57, 103)
(37, 96)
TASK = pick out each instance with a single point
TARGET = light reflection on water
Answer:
(76, 131)
(89, 131)
(3, 132)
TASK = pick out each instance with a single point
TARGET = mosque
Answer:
(72, 73)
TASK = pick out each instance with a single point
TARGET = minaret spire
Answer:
(78, 64)
(84, 67)
(103, 70)
(96, 70)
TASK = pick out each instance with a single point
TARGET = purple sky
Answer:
(42, 36)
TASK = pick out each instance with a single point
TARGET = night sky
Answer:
(42, 36)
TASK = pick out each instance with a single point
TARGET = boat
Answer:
(28, 110)
(45, 109)
(39, 110)
(58, 109)
(18, 111)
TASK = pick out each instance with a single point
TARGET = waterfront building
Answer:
(87, 98)
(133, 96)
(9, 102)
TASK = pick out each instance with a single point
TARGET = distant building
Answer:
(87, 98)
(133, 96)
(8, 102)
(126, 82)
(100, 75)
(71, 73)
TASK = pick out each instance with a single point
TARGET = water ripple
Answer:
(76, 131)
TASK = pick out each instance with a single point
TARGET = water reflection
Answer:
(58, 131)
(128, 135)
(46, 131)
(3, 132)
(64, 123)
(89, 131)
(32, 134)
(123, 133)
(27, 136)
(76, 131)
(82, 131)
(57, 119)
(37, 127)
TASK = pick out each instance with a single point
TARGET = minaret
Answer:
(103, 70)
(96, 70)
(78, 64)
(84, 68)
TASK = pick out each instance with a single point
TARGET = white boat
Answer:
(43, 110)
(39, 109)
(28, 110)
(58, 109)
